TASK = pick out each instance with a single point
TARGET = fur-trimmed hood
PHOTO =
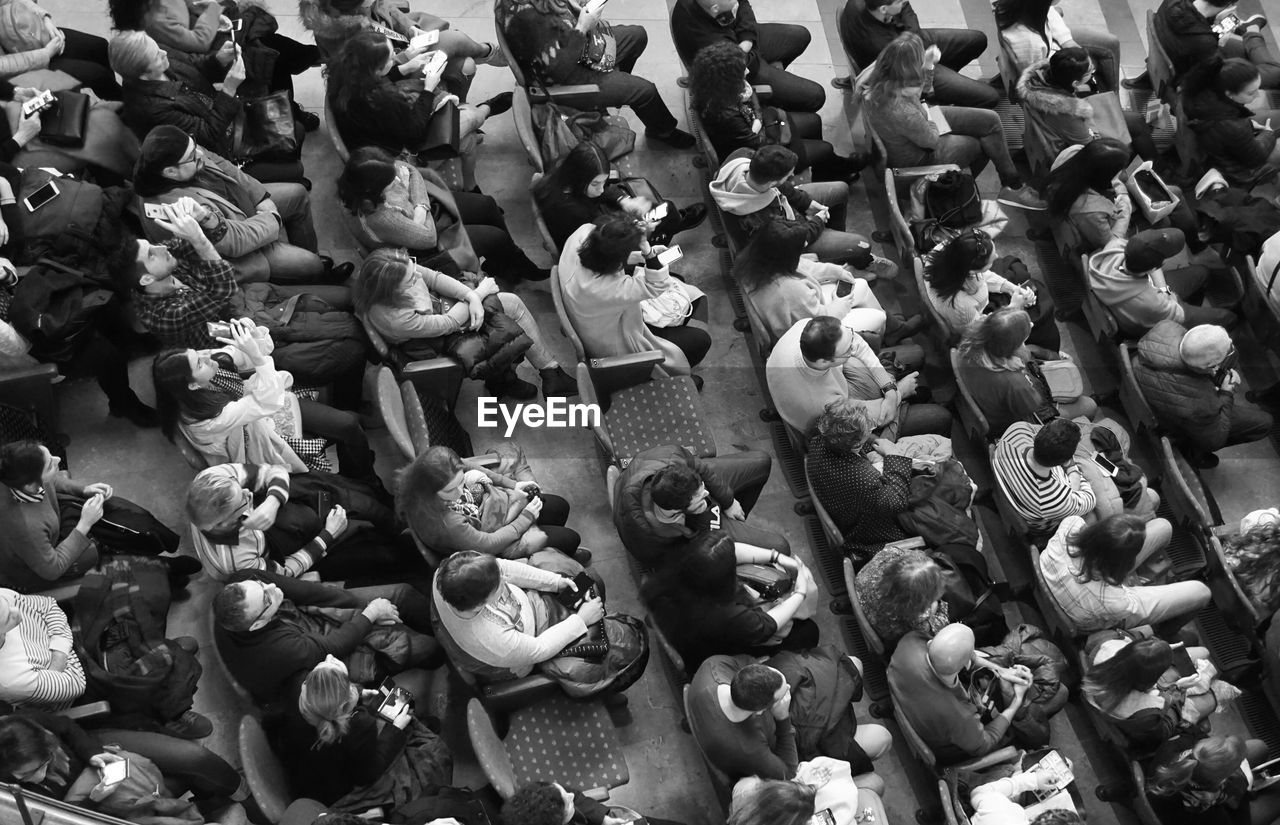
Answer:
(1035, 90)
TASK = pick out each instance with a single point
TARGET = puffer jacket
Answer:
(1185, 401)
(1062, 119)
(824, 684)
(1186, 34)
(315, 342)
(1228, 140)
(186, 99)
(1026, 645)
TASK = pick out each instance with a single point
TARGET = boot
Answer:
(557, 382)
(509, 385)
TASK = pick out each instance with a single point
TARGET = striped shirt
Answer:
(1042, 500)
(26, 679)
(224, 553)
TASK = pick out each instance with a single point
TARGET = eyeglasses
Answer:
(853, 342)
(266, 605)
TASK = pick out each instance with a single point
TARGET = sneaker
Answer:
(335, 273)
(899, 329)
(881, 267)
(1206, 461)
(692, 216)
(1257, 21)
(1024, 197)
(557, 382)
(189, 725)
(498, 104)
(676, 138)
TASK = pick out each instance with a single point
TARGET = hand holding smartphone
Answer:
(115, 772)
(37, 103)
(844, 288)
(670, 255)
(584, 587)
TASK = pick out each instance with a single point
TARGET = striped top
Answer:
(26, 679)
(1042, 501)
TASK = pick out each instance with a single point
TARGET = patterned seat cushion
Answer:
(573, 743)
(666, 411)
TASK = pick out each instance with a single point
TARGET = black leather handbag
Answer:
(66, 121)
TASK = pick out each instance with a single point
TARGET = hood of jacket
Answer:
(1158, 349)
(733, 194)
(1182, 16)
(1036, 91)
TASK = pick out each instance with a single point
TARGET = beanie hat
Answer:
(1147, 250)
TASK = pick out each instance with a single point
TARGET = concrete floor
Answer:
(667, 777)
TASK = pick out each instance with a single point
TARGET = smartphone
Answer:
(115, 772)
(37, 103)
(155, 211)
(434, 62)
(394, 700)
(594, 5)
(425, 40)
(41, 196)
(584, 588)
(1226, 24)
(218, 329)
(844, 288)
(324, 503)
(672, 255)
(1106, 465)
(657, 213)
(237, 24)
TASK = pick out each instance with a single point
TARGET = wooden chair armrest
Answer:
(1222, 532)
(763, 91)
(88, 710)
(906, 544)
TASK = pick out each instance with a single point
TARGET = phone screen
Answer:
(844, 288)
(1105, 463)
(41, 196)
(669, 257)
(585, 589)
(394, 701)
(115, 772)
(657, 213)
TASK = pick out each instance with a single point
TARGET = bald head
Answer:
(1204, 347)
(951, 650)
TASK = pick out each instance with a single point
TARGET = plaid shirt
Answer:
(179, 318)
(1091, 605)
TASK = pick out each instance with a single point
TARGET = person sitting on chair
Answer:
(1185, 28)
(1033, 30)
(38, 665)
(550, 803)
(1216, 101)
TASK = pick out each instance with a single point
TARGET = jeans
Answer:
(539, 356)
(355, 459)
(552, 520)
(84, 57)
(977, 137)
(835, 245)
(1158, 604)
(186, 765)
(783, 43)
(621, 88)
(1254, 49)
(959, 48)
(292, 259)
(294, 203)
(745, 473)
(367, 555)
(487, 229)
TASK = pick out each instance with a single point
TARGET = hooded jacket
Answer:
(1186, 34)
(1062, 118)
(1139, 303)
(1228, 139)
(734, 196)
(1185, 401)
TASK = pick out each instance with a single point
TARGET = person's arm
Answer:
(248, 234)
(517, 650)
(915, 125)
(528, 577)
(458, 534)
(373, 748)
(171, 26)
(1251, 148)
(414, 324)
(744, 26)
(994, 804)
(720, 491)
(394, 228)
(1082, 499)
(46, 560)
(265, 395)
(785, 749)
(48, 687)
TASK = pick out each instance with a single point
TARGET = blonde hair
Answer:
(899, 66)
(327, 701)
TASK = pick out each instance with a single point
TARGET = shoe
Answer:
(1257, 21)
(495, 57)
(882, 236)
(557, 382)
(881, 267)
(899, 329)
(310, 121)
(1141, 82)
(692, 216)
(582, 556)
(1205, 462)
(188, 643)
(616, 701)
(854, 164)
(498, 104)
(840, 606)
(1107, 399)
(1024, 197)
(182, 566)
(189, 725)
(336, 273)
(676, 138)
(509, 385)
(139, 414)
(538, 275)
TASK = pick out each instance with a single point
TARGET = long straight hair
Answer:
(176, 400)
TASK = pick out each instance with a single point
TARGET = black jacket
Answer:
(1186, 34)
(385, 118)
(694, 29)
(186, 99)
(866, 36)
(1228, 138)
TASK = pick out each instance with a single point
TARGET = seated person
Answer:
(868, 27)
(271, 630)
(996, 803)
(264, 230)
(550, 803)
(1185, 30)
(53, 756)
(175, 88)
(1129, 278)
(734, 118)
(407, 303)
(1090, 571)
(339, 750)
(612, 310)
(578, 190)
(822, 790)
(754, 187)
(666, 496)
(961, 283)
(901, 590)
(392, 203)
(769, 48)
(558, 43)
(497, 615)
(925, 680)
(785, 288)
(1135, 684)
(38, 665)
(819, 361)
(996, 363)
(1055, 93)
(894, 106)
(704, 609)
(1188, 379)
(1032, 30)
(1216, 98)
(1194, 781)
(31, 40)
(451, 506)
(242, 519)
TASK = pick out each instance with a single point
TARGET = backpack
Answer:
(952, 200)
(53, 307)
(82, 227)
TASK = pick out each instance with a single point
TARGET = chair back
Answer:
(390, 403)
(869, 634)
(878, 160)
(1131, 397)
(612, 475)
(1183, 489)
(262, 771)
(548, 242)
(915, 743)
(1049, 602)
(943, 332)
(668, 649)
(522, 115)
(1101, 320)
(708, 150)
(500, 37)
(1014, 521)
(971, 415)
(1010, 70)
(759, 329)
(1141, 802)
(1239, 611)
(1069, 242)
(376, 340)
(30, 389)
(194, 458)
(1186, 142)
(566, 325)
(490, 751)
(720, 781)
(331, 126)
(1159, 66)
(835, 538)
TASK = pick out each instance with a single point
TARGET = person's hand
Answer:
(28, 129)
(99, 488)
(487, 286)
(781, 709)
(475, 312)
(182, 225)
(1018, 300)
(235, 75)
(1230, 381)
(931, 56)
(735, 511)
(57, 660)
(1014, 675)
(56, 44)
(885, 447)
(789, 563)
(805, 583)
(635, 205)
(4, 232)
(382, 612)
(907, 385)
(1028, 296)
(414, 64)
(226, 55)
(591, 611)
(21, 94)
(431, 76)
(336, 521)
(242, 336)
(100, 761)
(814, 208)
(1020, 693)
(588, 19)
(90, 513)
(534, 507)
(526, 486)
(263, 516)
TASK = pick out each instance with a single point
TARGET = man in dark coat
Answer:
(1185, 30)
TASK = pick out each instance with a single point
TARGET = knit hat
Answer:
(1147, 250)
(131, 53)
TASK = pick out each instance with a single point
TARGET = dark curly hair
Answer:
(773, 252)
(606, 249)
(128, 15)
(538, 803)
(842, 428)
(355, 73)
(716, 76)
(949, 266)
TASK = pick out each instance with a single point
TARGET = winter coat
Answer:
(752, 209)
(729, 126)
(1228, 139)
(314, 341)
(824, 684)
(1062, 118)
(1183, 400)
(186, 99)
(1186, 34)
(1026, 645)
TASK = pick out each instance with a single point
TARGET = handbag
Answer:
(1149, 192)
(768, 580)
(66, 121)
(1061, 378)
(670, 309)
(1108, 116)
(444, 134)
(265, 128)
